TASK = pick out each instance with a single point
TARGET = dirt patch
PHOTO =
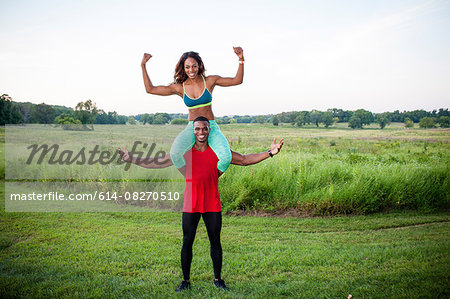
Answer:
(399, 138)
(295, 213)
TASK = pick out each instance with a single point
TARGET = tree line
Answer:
(86, 113)
(355, 119)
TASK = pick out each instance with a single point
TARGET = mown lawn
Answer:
(127, 255)
(399, 254)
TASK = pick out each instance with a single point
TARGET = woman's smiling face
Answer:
(191, 67)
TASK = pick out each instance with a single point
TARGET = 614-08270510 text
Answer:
(148, 195)
(103, 196)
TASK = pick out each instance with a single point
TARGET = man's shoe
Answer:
(220, 284)
(184, 285)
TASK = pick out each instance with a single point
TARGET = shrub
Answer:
(427, 122)
(179, 121)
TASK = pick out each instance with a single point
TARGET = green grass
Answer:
(69, 255)
(340, 171)
(319, 171)
(400, 254)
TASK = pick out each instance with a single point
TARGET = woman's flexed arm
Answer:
(158, 90)
(239, 75)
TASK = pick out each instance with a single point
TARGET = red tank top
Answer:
(202, 183)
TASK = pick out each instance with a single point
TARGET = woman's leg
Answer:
(219, 144)
(189, 223)
(213, 222)
(184, 142)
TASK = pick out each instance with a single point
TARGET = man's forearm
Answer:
(244, 160)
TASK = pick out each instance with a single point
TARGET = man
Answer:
(201, 195)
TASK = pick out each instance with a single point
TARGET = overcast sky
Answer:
(299, 55)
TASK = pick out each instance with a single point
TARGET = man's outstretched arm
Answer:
(249, 159)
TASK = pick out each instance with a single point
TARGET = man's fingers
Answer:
(123, 151)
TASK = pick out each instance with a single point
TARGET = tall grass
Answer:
(323, 176)
(319, 171)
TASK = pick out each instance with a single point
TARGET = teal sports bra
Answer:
(204, 100)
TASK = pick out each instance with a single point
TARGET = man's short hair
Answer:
(201, 118)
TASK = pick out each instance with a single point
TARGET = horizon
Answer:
(232, 115)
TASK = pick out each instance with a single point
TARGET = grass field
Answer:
(124, 255)
(340, 171)
(403, 253)
(319, 171)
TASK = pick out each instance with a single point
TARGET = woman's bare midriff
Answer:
(202, 111)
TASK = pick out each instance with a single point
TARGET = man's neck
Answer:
(201, 146)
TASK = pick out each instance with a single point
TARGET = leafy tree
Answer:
(68, 122)
(343, 116)
(443, 112)
(25, 111)
(62, 109)
(383, 119)
(122, 119)
(260, 119)
(416, 115)
(283, 117)
(161, 118)
(102, 117)
(396, 116)
(291, 117)
(355, 122)
(365, 116)
(244, 119)
(233, 121)
(9, 111)
(223, 120)
(408, 123)
(43, 114)
(302, 118)
(131, 121)
(113, 118)
(275, 120)
(427, 122)
(327, 119)
(86, 112)
(335, 120)
(316, 117)
(179, 121)
(444, 121)
(146, 119)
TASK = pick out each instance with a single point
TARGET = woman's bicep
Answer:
(165, 90)
(220, 81)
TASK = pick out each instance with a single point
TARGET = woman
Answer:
(196, 90)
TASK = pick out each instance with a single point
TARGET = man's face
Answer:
(201, 131)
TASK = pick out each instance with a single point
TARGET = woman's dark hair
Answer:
(180, 75)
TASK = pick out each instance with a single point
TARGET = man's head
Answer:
(201, 129)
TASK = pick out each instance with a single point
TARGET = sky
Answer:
(299, 55)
